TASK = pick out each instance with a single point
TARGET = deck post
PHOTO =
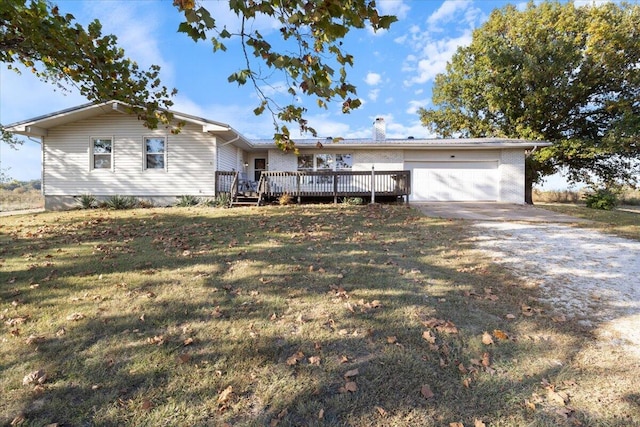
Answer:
(335, 188)
(373, 185)
(298, 188)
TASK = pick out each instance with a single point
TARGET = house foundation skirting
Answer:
(60, 203)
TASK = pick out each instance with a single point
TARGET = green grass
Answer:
(253, 316)
(620, 222)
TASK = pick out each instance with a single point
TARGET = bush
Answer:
(601, 198)
(285, 199)
(120, 202)
(87, 201)
(353, 201)
(187, 200)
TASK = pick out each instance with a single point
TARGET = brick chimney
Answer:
(379, 130)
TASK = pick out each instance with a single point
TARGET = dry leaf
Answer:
(314, 360)
(466, 382)
(188, 341)
(456, 425)
(426, 392)
(19, 419)
(381, 411)
(75, 316)
(510, 316)
(344, 359)
(500, 334)
(429, 337)
(527, 311)
(351, 386)
(392, 340)
(486, 338)
(462, 369)
(351, 373)
(293, 360)
(486, 359)
(225, 395)
(147, 405)
(321, 414)
(559, 319)
(184, 358)
(35, 377)
(478, 423)
(558, 398)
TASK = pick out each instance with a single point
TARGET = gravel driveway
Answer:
(584, 274)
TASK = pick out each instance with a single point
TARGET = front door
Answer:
(259, 165)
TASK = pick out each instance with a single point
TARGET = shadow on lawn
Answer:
(252, 292)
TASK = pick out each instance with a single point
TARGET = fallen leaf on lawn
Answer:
(559, 319)
(344, 359)
(16, 320)
(426, 392)
(510, 316)
(558, 398)
(478, 423)
(351, 386)
(35, 377)
(157, 340)
(448, 328)
(225, 394)
(466, 382)
(75, 316)
(60, 332)
(381, 411)
(375, 303)
(35, 339)
(321, 414)
(349, 307)
(147, 405)
(184, 358)
(527, 311)
(462, 369)
(187, 342)
(392, 340)
(314, 360)
(501, 335)
(19, 419)
(529, 405)
(294, 359)
(429, 337)
(351, 373)
(486, 359)
(456, 425)
(486, 338)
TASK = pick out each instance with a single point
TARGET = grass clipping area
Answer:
(283, 316)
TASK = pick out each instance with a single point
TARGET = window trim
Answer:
(145, 166)
(93, 154)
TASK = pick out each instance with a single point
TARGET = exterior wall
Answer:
(229, 158)
(280, 161)
(511, 176)
(384, 160)
(67, 169)
(451, 155)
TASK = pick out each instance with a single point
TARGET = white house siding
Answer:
(511, 176)
(190, 161)
(229, 158)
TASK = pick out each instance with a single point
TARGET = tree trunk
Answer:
(528, 191)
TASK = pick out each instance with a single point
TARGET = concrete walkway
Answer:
(492, 211)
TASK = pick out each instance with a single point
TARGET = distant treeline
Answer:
(34, 184)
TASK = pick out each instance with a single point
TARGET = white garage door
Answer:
(454, 181)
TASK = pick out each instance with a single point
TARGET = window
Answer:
(154, 152)
(325, 162)
(101, 153)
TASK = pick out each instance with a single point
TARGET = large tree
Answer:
(36, 36)
(309, 53)
(555, 72)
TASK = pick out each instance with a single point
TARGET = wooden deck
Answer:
(316, 184)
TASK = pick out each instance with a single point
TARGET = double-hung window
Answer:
(155, 152)
(325, 162)
(101, 153)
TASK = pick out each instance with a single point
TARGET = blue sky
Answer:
(393, 71)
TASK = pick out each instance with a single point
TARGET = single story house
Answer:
(104, 150)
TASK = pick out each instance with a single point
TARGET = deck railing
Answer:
(326, 183)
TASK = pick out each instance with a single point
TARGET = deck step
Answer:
(245, 201)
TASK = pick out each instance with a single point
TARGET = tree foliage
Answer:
(555, 72)
(307, 49)
(34, 35)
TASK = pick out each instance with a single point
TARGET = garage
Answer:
(458, 181)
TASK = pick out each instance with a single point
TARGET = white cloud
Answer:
(447, 11)
(372, 79)
(373, 94)
(434, 57)
(393, 7)
(415, 104)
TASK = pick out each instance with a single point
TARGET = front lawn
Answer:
(284, 316)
